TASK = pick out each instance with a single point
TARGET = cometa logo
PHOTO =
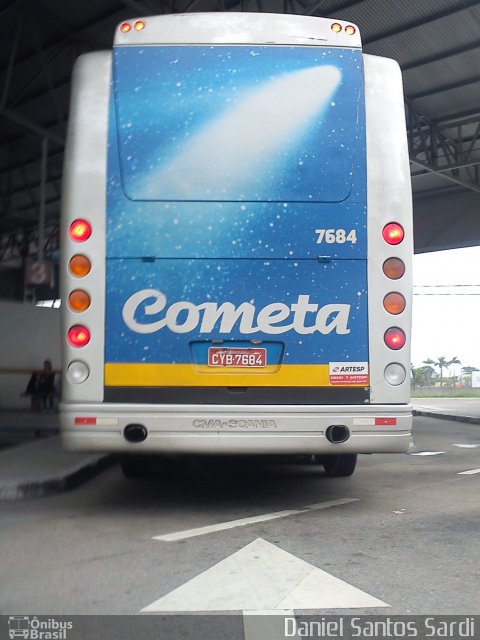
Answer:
(142, 310)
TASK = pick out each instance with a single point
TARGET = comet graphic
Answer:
(236, 149)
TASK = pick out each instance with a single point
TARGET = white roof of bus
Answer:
(239, 28)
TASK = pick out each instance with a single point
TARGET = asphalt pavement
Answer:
(32, 461)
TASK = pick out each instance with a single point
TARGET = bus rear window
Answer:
(243, 123)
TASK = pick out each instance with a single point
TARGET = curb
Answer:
(24, 490)
(446, 416)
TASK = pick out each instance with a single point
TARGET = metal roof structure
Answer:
(436, 42)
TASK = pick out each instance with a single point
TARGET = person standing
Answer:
(46, 386)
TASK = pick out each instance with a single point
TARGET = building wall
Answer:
(28, 336)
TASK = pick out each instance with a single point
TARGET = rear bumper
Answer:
(213, 429)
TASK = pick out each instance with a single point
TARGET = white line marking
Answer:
(468, 473)
(466, 446)
(200, 531)
(427, 453)
(262, 577)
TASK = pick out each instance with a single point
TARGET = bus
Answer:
(237, 240)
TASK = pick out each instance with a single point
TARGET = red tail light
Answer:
(393, 233)
(395, 338)
(78, 335)
(80, 230)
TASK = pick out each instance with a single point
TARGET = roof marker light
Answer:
(336, 27)
(350, 30)
(139, 25)
(125, 27)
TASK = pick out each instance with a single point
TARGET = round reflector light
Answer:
(139, 25)
(395, 374)
(79, 265)
(125, 27)
(394, 303)
(80, 230)
(78, 335)
(77, 372)
(350, 30)
(393, 233)
(395, 338)
(394, 268)
(79, 300)
(336, 27)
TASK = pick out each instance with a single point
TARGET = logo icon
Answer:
(18, 627)
(37, 629)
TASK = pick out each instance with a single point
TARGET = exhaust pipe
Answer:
(135, 433)
(337, 433)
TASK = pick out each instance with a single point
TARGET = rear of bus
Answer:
(237, 242)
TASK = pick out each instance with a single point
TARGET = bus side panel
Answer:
(388, 200)
(84, 195)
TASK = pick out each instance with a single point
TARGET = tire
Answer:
(338, 466)
(135, 466)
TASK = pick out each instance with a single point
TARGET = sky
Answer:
(447, 325)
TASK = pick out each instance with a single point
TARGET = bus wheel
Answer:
(338, 466)
(134, 466)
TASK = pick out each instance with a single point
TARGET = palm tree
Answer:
(442, 363)
(454, 360)
(469, 370)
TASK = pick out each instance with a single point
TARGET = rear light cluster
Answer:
(78, 300)
(394, 302)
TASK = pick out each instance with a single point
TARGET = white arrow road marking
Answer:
(263, 577)
(468, 473)
(269, 624)
(200, 531)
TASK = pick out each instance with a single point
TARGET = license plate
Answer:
(223, 357)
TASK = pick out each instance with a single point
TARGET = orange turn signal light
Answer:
(394, 303)
(394, 268)
(79, 265)
(79, 300)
